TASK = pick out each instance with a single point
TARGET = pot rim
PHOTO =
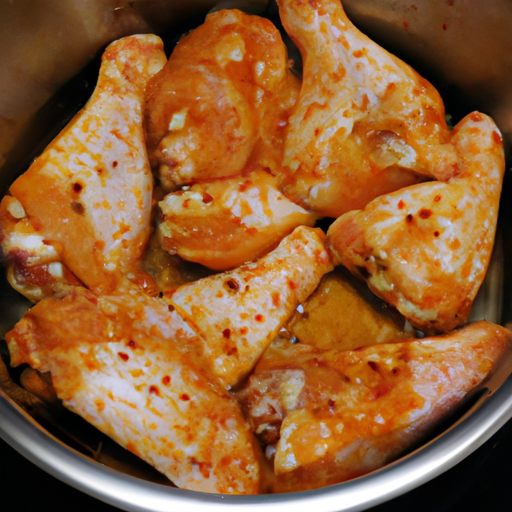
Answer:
(490, 412)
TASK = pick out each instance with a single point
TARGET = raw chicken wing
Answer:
(239, 313)
(34, 266)
(329, 416)
(365, 123)
(425, 249)
(88, 196)
(127, 365)
(222, 100)
(225, 223)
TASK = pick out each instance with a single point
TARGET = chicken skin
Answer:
(425, 249)
(88, 197)
(225, 223)
(239, 313)
(328, 416)
(151, 372)
(222, 101)
(126, 364)
(365, 123)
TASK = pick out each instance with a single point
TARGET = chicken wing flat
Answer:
(221, 101)
(329, 416)
(225, 223)
(88, 196)
(365, 123)
(127, 365)
(425, 249)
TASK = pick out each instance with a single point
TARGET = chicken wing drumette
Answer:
(222, 101)
(85, 203)
(365, 123)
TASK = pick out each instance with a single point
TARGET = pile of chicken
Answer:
(199, 371)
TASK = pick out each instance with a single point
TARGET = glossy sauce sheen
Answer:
(260, 162)
(222, 102)
(239, 313)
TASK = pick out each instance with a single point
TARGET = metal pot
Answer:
(464, 48)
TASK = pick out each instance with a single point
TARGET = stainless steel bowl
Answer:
(464, 48)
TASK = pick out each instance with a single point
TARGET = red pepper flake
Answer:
(245, 186)
(77, 207)
(123, 356)
(436, 233)
(114, 164)
(132, 344)
(154, 390)
(171, 308)
(476, 117)
(292, 285)
(77, 187)
(184, 397)
(259, 318)
(276, 299)
(437, 199)
(166, 380)
(207, 198)
(226, 333)
(232, 284)
(401, 205)
(244, 330)
(409, 218)
(450, 3)
(445, 26)
(406, 24)
(496, 137)
(425, 213)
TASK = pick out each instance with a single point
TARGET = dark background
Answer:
(481, 482)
